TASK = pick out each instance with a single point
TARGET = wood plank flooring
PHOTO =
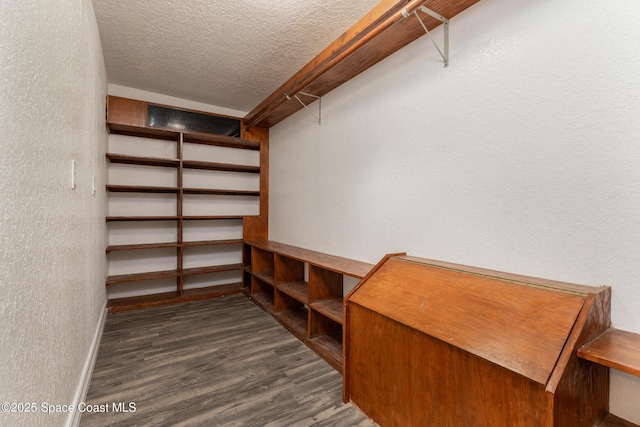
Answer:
(218, 362)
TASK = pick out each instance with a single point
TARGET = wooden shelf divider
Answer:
(173, 218)
(223, 167)
(135, 277)
(212, 242)
(141, 189)
(216, 192)
(213, 217)
(142, 218)
(142, 161)
(145, 301)
(142, 246)
(210, 269)
(264, 276)
(332, 308)
(296, 290)
(616, 349)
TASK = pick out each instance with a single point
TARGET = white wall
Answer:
(522, 156)
(52, 238)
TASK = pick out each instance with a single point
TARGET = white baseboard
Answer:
(87, 370)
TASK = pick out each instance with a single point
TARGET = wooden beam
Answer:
(377, 35)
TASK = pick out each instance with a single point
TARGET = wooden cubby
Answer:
(310, 309)
(126, 117)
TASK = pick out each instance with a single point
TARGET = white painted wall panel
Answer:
(142, 261)
(212, 153)
(221, 180)
(131, 233)
(212, 230)
(522, 156)
(198, 204)
(205, 256)
(142, 147)
(142, 204)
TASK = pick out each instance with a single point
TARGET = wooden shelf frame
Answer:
(137, 277)
(184, 272)
(193, 271)
(141, 189)
(173, 218)
(222, 167)
(142, 161)
(179, 163)
(174, 163)
(153, 300)
(218, 192)
(312, 310)
(168, 245)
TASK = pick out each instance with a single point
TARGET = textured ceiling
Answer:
(227, 53)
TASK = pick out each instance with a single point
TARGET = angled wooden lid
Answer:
(516, 324)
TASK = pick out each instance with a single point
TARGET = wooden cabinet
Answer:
(439, 344)
(303, 290)
(183, 197)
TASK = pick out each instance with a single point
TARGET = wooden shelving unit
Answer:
(312, 309)
(121, 122)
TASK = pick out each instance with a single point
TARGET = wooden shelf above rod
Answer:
(381, 32)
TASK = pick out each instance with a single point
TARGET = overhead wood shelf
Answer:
(381, 32)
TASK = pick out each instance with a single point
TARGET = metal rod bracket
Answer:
(445, 52)
(319, 116)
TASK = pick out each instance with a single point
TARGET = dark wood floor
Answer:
(219, 362)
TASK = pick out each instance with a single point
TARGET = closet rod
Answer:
(386, 14)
